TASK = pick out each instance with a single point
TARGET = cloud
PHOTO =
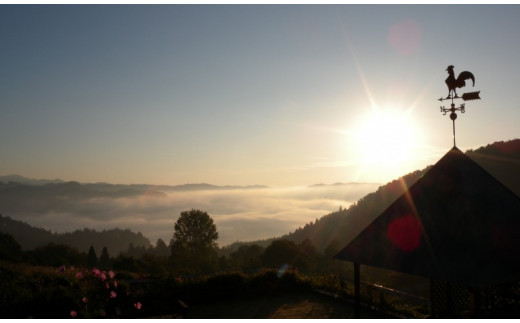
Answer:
(239, 214)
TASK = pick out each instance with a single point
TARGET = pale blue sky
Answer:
(244, 94)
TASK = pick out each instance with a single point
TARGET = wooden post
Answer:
(357, 292)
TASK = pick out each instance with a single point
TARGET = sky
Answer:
(277, 95)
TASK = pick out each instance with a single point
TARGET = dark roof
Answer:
(456, 223)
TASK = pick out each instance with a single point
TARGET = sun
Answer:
(385, 141)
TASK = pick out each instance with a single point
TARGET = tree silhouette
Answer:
(247, 256)
(10, 249)
(161, 249)
(283, 251)
(194, 239)
(54, 254)
(332, 249)
(91, 257)
(104, 259)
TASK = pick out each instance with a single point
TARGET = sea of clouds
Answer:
(240, 214)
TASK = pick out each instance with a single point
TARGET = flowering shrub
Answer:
(76, 292)
(98, 294)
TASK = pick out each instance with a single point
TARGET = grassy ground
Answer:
(306, 305)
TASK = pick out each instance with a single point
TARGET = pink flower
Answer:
(115, 284)
(111, 274)
(84, 300)
(138, 305)
(107, 285)
(113, 294)
(96, 272)
(73, 313)
(102, 276)
(79, 275)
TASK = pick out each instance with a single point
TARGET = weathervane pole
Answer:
(453, 117)
(454, 144)
(454, 83)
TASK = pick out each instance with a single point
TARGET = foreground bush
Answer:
(69, 292)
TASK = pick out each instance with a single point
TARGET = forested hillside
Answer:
(116, 240)
(500, 159)
(338, 228)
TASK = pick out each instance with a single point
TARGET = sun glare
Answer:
(385, 140)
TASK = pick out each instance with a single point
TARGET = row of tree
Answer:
(193, 250)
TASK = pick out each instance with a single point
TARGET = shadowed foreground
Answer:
(305, 305)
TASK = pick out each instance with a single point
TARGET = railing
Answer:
(392, 302)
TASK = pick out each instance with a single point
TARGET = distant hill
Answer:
(29, 181)
(116, 240)
(500, 159)
(11, 179)
(45, 195)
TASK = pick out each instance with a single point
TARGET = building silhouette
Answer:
(458, 226)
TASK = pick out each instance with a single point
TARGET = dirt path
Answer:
(285, 306)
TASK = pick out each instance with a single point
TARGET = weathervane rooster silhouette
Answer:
(454, 83)
(459, 82)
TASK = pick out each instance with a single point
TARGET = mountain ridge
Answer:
(29, 181)
(501, 159)
(16, 178)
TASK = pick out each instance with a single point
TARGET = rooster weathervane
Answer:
(454, 83)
